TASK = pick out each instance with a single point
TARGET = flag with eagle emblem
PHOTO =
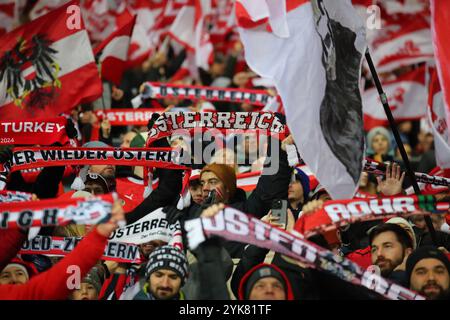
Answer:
(47, 66)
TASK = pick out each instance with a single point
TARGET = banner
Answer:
(55, 212)
(59, 246)
(14, 196)
(37, 131)
(318, 85)
(380, 169)
(157, 90)
(234, 225)
(168, 122)
(25, 158)
(339, 213)
(154, 226)
(127, 117)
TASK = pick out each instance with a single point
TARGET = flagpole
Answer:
(399, 142)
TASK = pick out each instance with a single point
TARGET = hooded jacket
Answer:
(243, 283)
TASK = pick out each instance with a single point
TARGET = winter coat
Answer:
(52, 284)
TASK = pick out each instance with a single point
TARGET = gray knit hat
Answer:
(167, 257)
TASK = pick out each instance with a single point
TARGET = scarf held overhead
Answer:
(158, 90)
(336, 213)
(59, 246)
(170, 122)
(234, 225)
(26, 158)
(55, 212)
(380, 169)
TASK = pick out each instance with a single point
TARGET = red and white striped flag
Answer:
(313, 50)
(113, 52)
(7, 10)
(189, 30)
(437, 117)
(440, 13)
(47, 67)
(407, 97)
(404, 39)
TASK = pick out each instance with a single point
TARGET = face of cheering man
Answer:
(164, 284)
(430, 278)
(388, 252)
(209, 181)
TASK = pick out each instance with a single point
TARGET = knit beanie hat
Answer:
(301, 176)
(167, 257)
(93, 278)
(260, 273)
(425, 252)
(225, 173)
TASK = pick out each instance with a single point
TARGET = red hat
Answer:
(29, 266)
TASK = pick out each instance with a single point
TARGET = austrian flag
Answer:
(47, 66)
(113, 53)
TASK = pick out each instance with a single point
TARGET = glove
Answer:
(172, 214)
(151, 121)
(70, 129)
(6, 155)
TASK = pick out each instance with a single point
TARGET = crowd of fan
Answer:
(401, 248)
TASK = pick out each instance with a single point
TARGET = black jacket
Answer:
(269, 188)
(169, 188)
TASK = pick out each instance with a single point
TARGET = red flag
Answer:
(113, 52)
(47, 67)
(440, 13)
(404, 39)
(437, 116)
(407, 97)
(6, 16)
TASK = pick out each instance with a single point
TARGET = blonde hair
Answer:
(71, 230)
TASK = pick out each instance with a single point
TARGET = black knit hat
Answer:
(167, 257)
(260, 273)
(425, 252)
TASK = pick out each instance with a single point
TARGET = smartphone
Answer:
(279, 209)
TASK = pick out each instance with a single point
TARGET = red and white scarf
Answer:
(127, 117)
(55, 212)
(380, 169)
(59, 246)
(26, 158)
(14, 196)
(157, 90)
(338, 213)
(182, 122)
